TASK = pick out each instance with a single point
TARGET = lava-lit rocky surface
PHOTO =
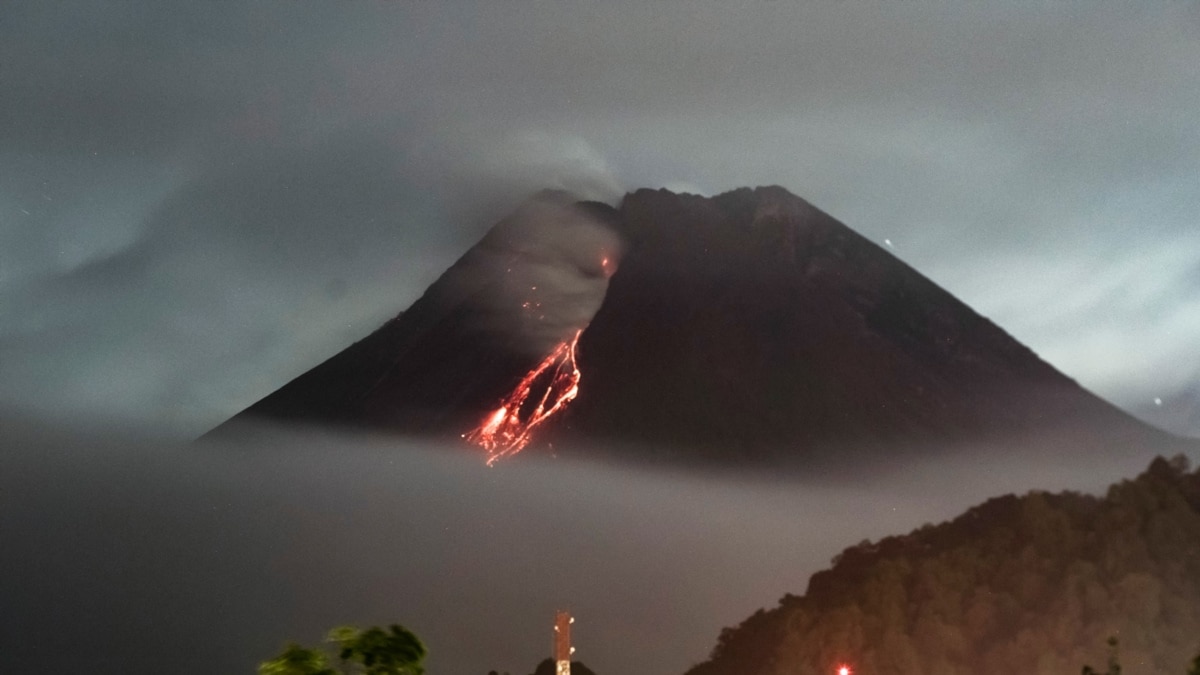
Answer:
(461, 347)
(743, 326)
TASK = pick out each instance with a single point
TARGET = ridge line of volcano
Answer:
(744, 328)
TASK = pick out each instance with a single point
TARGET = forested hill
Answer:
(1031, 585)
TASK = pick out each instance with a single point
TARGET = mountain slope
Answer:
(736, 328)
(1031, 584)
(753, 323)
(436, 367)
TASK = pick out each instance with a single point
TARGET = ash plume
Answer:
(545, 269)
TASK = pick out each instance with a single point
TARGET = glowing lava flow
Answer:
(509, 429)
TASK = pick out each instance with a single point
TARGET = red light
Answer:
(844, 670)
(505, 432)
(607, 264)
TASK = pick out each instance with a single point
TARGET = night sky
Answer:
(200, 201)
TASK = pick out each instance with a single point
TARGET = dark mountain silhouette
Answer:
(754, 321)
(1032, 584)
(745, 326)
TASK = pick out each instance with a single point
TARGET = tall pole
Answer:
(562, 642)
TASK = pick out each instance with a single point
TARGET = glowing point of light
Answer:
(606, 265)
(844, 670)
(889, 243)
(1157, 401)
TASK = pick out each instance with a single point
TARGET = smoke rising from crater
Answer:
(540, 275)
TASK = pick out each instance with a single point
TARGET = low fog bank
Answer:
(123, 554)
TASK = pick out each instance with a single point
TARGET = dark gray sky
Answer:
(199, 202)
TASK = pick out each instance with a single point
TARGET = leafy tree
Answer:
(297, 660)
(374, 651)
(1016, 584)
(395, 651)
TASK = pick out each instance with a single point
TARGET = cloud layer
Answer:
(127, 555)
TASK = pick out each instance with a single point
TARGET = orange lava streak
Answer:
(506, 431)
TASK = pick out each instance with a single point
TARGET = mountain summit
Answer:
(748, 325)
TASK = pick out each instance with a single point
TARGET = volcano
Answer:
(749, 325)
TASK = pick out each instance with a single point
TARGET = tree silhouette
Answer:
(1017, 584)
(395, 651)
(374, 651)
(297, 660)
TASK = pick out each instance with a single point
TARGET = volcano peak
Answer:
(740, 327)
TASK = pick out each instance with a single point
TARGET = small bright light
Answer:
(889, 243)
(843, 670)
(1157, 401)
